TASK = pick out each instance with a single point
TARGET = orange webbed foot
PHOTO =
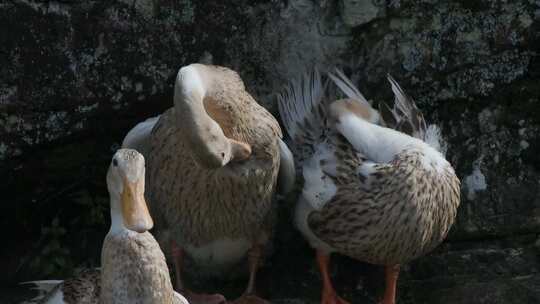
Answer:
(250, 299)
(332, 298)
(200, 298)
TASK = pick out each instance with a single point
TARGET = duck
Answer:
(133, 267)
(216, 163)
(376, 187)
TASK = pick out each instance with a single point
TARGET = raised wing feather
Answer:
(287, 173)
(347, 87)
(408, 119)
(303, 113)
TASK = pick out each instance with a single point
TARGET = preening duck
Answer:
(370, 192)
(133, 267)
(213, 163)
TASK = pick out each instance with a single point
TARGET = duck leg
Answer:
(192, 297)
(178, 257)
(254, 255)
(329, 295)
(391, 273)
(249, 296)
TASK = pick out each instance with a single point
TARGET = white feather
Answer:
(287, 174)
(180, 298)
(138, 138)
(319, 188)
(378, 144)
(297, 104)
(400, 101)
(45, 287)
(406, 109)
(433, 137)
(366, 168)
(218, 256)
(193, 82)
(56, 298)
(303, 210)
(382, 144)
(347, 87)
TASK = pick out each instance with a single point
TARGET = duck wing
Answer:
(392, 211)
(303, 111)
(338, 180)
(82, 289)
(406, 117)
(347, 87)
(365, 216)
(287, 173)
(368, 210)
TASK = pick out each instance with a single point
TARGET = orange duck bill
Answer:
(134, 209)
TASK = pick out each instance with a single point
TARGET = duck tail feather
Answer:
(47, 290)
(347, 87)
(433, 137)
(409, 118)
(302, 110)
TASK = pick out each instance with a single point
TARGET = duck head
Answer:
(125, 181)
(210, 147)
(350, 106)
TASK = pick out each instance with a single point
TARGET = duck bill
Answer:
(239, 150)
(134, 209)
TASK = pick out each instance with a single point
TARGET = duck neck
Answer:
(378, 143)
(117, 220)
(200, 101)
(204, 135)
(189, 109)
(133, 263)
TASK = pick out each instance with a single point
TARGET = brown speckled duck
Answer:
(370, 192)
(213, 164)
(133, 267)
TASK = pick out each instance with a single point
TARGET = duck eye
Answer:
(115, 162)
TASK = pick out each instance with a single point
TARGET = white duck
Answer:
(370, 192)
(133, 267)
(213, 164)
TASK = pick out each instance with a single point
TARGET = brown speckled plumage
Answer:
(134, 270)
(133, 267)
(398, 213)
(379, 212)
(83, 289)
(197, 205)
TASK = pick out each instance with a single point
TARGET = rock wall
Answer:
(76, 75)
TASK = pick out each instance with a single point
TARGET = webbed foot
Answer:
(249, 299)
(201, 298)
(332, 298)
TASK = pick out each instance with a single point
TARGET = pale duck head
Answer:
(125, 182)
